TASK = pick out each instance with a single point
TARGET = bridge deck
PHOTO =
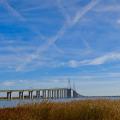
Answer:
(17, 90)
(40, 93)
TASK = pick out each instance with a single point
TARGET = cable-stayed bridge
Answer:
(52, 93)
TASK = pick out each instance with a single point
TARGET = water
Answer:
(14, 103)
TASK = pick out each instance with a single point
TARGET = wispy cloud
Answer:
(34, 83)
(59, 34)
(8, 83)
(38, 51)
(37, 5)
(108, 8)
(105, 59)
(110, 57)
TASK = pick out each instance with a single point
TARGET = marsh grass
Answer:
(75, 110)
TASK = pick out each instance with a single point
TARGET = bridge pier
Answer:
(44, 94)
(51, 94)
(21, 95)
(60, 93)
(38, 94)
(9, 95)
(65, 93)
(75, 94)
(55, 94)
(30, 94)
(69, 93)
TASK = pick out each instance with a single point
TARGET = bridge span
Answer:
(55, 93)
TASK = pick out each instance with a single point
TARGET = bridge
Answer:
(55, 93)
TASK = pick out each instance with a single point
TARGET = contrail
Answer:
(59, 34)
(63, 11)
(31, 8)
(16, 14)
(59, 49)
(50, 42)
(12, 10)
(76, 19)
(80, 14)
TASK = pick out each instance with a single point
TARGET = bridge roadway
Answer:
(54, 93)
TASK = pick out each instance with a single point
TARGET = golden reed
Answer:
(75, 110)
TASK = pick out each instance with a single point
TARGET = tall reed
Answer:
(75, 110)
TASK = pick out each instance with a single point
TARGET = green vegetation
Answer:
(75, 110)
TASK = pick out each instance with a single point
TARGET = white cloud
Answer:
(105, 58)
(115, 56)
(8, 83)
(118, 21)
(73, 63)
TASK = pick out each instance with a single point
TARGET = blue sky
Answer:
(45, 43)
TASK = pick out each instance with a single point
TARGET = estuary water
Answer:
(14, 103)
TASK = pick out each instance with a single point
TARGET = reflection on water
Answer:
(13, 103)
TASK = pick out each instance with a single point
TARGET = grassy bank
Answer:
(76, 110)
